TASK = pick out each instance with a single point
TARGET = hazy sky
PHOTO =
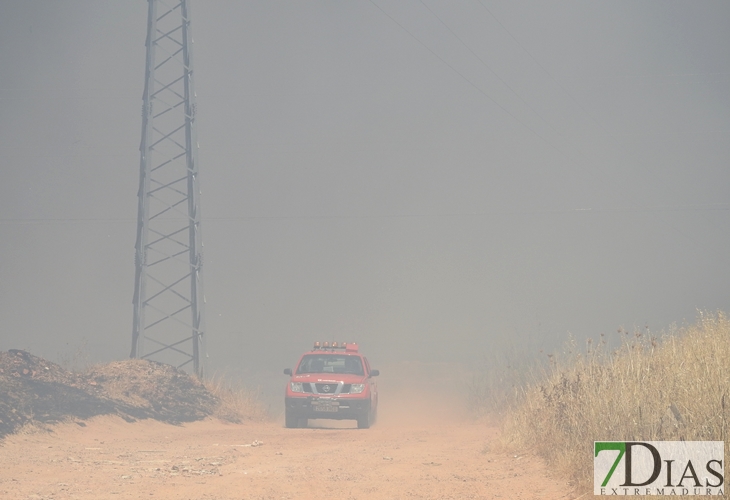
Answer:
(429, 178)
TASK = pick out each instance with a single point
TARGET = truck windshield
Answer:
(330, 363)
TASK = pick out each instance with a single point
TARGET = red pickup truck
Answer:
(331, 381)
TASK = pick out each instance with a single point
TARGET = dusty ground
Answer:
(405, 455)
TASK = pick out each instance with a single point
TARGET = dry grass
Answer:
(237, 403)
(497, 387)
(32, 428)
(672, 388)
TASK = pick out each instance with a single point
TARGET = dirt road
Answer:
(402, 456)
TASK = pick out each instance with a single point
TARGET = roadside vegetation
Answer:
(674, 386)
(237, 402)
(497, 385)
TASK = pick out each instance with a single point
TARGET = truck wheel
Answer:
(363, 422)
(290, 420)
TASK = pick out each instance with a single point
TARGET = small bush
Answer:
(237, 403)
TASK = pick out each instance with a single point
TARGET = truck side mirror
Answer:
(374, 373)
(287, 371)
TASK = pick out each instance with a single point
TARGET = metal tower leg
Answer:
(168, 292)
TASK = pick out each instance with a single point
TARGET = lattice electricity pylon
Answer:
(168, 295)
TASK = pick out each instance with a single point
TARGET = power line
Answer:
(488, 67)
(629, 200)
(615, 140)
(718, 207)
(475, 86)
(547, 72)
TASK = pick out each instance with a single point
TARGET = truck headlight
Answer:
(357, 388)
(296, 387)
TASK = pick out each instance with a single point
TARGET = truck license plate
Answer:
(325, 406)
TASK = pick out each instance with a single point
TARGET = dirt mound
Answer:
(35, 390)
(162, 390)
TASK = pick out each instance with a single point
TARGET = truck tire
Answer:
(290, 420)
(363, 421)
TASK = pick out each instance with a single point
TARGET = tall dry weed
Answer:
(76, 357)
(237, 403)
(496, 387)
(676, 387)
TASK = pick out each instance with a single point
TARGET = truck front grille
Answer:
(325, 388)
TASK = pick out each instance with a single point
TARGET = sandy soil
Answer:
(417, 454)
